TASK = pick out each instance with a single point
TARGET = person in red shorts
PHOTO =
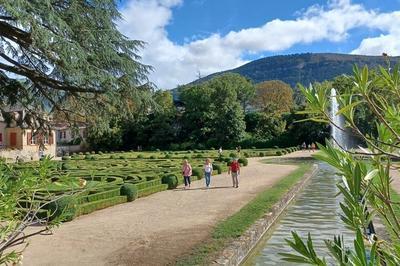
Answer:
(234, 170)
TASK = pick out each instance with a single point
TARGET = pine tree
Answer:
(69, 57)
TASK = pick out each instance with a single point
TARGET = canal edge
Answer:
(236, 251)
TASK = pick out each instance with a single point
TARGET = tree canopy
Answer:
(67, 56)
(274, 95)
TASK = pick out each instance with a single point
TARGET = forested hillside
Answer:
(304, 68)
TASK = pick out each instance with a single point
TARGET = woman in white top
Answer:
(208, 171)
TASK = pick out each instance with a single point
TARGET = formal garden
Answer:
(104, 179)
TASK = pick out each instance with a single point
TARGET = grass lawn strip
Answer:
(235, 225)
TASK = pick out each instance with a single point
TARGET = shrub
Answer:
(187, 157)
(253, 148)
(87, 157)
(284, 152)
(189, 151)
(112, 157)
(122, 157)
(170, 180)
(197, 172)
(100, 152)
(65, 158)
(199, 156)
(157, 150)
(212, 148)
(218, 168)
(278, 153)
(81, 153)
(130, 191)
(65, 207)
(93, 152)
(276, 147)
(153, 157)
(168, 156)
(65, 166)
(246, 155)
(261, 154)
(243, 161)
(227, 160)
(232, 155)
(140, 156)
(87, 153)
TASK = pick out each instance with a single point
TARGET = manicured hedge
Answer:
(98, 196)
(170, 180)
(65, 207)
(243, 161)
(130, 191)
(100, 204)
(148, 191)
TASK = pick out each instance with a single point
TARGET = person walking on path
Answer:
(313, 146)
(208, 168)
(187, 173)
(234, 170)
(304, 146)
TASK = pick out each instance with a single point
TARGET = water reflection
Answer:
(316, 210)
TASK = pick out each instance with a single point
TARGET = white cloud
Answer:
(178, 64)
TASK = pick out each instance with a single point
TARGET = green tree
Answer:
(228, 124)
(67, 52)
(213, 113)
(244, 88)
(366, 181)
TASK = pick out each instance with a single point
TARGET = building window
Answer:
(33, 140)
(1, 138)
(60, 135)
(64, 134)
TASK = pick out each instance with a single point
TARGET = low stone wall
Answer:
(239, 249)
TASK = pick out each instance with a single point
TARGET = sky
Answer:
(186, 39)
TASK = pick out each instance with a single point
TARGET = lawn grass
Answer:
(235, 225)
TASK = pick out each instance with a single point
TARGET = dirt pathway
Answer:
(156, 229)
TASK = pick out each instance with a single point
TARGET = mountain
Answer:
(304, 68)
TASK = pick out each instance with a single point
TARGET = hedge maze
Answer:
(106, 179)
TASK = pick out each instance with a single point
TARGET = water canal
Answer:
(316, 210)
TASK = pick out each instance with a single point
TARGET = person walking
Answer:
(208, 168)
(187, 173)
(313, 146)
(304, 146)
(234, 170)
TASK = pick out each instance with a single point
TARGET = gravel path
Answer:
(156, 229)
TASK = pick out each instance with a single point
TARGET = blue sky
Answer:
(185, 37)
